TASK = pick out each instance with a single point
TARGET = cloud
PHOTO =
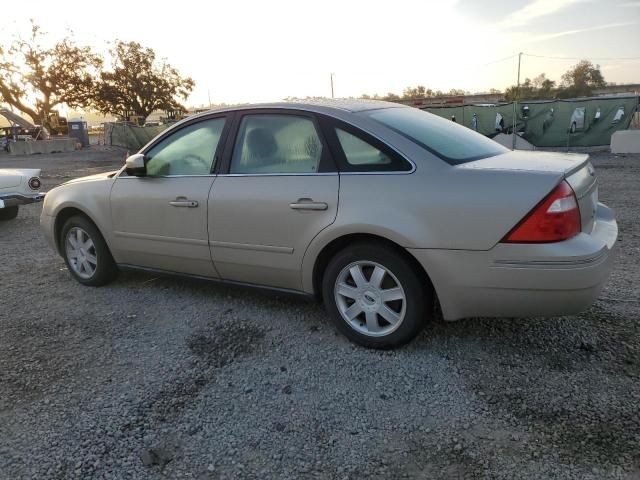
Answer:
(549, 36)
(535, 9)
(630, 5)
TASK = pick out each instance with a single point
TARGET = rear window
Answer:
(453, 143)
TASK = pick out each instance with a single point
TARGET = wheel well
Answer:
(61, 218)
(338, 244)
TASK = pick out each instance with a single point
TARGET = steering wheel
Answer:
(191, 161)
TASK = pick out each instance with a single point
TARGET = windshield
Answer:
(453, 143)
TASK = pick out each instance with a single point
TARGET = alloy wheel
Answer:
(370, 298)
(81, 253)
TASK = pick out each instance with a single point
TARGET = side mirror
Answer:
(134, 165)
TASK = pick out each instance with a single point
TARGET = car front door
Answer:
(278, 190)
(160, 219)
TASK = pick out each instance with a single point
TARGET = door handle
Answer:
(308, 204)
(180, 202)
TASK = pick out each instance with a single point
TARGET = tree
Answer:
(537, 89)
(35, 79)
(419, 91)
(137, 84)
(581, 79)
(542, 83)
(526, 91)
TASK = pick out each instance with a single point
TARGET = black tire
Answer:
(8, 213)
(418, 295)
(106, 269)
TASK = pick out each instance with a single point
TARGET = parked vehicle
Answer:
(58, 124)
(619, 115)
(577, 120)
(377, 208)
(18, 186)
(22, 133)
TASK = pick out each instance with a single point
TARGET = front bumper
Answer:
(47, 225)
(524, 280)
(15, 199)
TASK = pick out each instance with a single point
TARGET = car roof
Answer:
(347, 104)
(320, 105)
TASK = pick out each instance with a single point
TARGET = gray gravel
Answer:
(163, 378)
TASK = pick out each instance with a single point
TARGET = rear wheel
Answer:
(86, 253)
(375, 296)
(8, 213)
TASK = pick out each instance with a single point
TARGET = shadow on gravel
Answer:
(223, 344)
(228, 342)
(599, 338)
(572, 380)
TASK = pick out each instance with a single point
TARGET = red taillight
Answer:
(554, 219)
(34, 183)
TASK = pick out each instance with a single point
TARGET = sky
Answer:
(254, 51)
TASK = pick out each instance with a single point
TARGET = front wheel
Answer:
(375, 296)
(86, 253)
(8, 213)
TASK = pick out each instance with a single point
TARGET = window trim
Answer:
(326, 166)
(215, 161)
(329, 126)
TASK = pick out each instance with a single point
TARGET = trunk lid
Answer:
(9, 180)
(574, 167)
(542, 162)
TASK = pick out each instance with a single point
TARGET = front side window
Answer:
(272, 143)
(189, 151)
(454, 143)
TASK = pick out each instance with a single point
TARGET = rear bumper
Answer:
(15, 199)
(524, 280)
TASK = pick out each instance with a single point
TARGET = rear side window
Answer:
(453, 143)
(356, 151)
(272, 143)
(359, 152)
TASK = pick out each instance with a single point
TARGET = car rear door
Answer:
(278, 190)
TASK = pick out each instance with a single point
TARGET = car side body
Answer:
(18, 186)
(280, 230)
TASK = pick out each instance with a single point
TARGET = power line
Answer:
(580, 58)
(499, 60)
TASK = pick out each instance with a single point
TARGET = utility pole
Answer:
(515, 103)
(332, 85)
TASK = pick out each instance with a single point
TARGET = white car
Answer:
(18, 186)
(577, 120)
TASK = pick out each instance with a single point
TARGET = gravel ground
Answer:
(163, 378)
